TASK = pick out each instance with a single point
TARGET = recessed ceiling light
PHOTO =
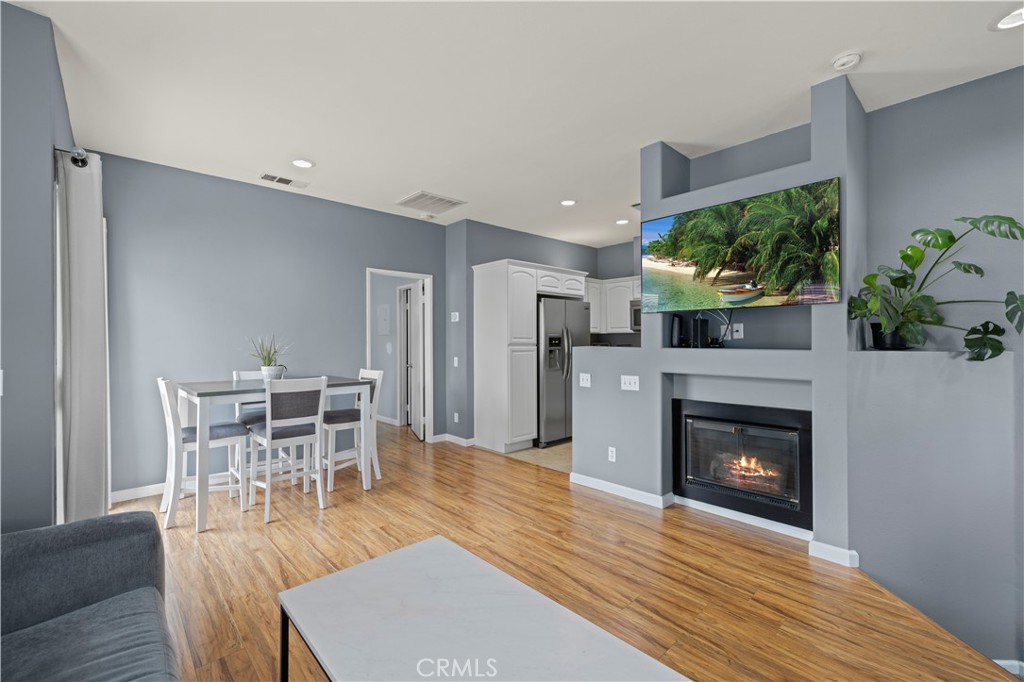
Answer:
(846, 61)
(622, 222)
(1011, 20)
(303, 163)
(568, 202)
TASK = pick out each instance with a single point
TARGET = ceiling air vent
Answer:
(429, 203)
(278, 180)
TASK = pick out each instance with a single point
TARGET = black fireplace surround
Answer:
(755, 460)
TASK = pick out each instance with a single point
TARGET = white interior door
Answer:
(416, 399)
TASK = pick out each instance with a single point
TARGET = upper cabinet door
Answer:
(617, 296)
(573, 285)
(549, 282)
(595, 295)
(522, 305)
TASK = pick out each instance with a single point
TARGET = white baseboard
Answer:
(651, 499)
(387, 420)
(774, 526)
(136, 493)
(1012, 667)
(837, 555)
(464, 442)
(156, 489)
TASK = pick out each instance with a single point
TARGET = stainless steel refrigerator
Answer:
(562, 325)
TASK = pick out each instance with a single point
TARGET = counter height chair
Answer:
(294, 418)
(341, 420)
(182, 440)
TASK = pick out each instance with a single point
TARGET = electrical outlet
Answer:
(584, 380)
(455, 317)
(456, 417)
(629, 382)
(737, 332)
(455, 361)
(611, 454)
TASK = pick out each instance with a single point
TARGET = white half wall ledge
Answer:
(837, 555)
(650, 499)
(1012, 667)
(749, 519)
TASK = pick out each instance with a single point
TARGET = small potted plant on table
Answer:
(269, 352)
(897, 297)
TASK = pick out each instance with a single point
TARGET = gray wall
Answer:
(615, 261)
(384, 342)
(485, 243)
(952, 153)
(197, 264)
(34, 120)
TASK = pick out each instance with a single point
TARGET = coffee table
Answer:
(433, 610)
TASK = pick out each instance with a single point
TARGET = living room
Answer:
(909, 562)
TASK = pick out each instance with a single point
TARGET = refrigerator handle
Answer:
(568, 356)
(566, 352)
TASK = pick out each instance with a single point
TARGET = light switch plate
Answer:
(584, 380)
(629, 382)
(611, 454)
(455, 317)
(455, 361)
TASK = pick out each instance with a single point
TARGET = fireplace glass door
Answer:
(753, 461)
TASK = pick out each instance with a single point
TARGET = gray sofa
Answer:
(84, 601)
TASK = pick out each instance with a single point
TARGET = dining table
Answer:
(203, 394)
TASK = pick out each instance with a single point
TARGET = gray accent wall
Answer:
(197, 264)
(615, 261)
(34, 120)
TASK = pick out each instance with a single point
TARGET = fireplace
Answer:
(755, 460)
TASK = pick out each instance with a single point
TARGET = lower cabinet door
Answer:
(522, 386)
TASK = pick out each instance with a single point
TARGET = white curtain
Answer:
(81, 340)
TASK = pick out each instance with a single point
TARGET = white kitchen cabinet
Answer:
(522, 397)
(559, 283)
(505, 347)
(595, 296)
(617, 295)
(636, 289)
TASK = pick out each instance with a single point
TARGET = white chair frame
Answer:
(240, 408)
(177, 456)
(310, 444)
(331, 461)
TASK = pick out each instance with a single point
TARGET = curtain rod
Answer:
(79, 157)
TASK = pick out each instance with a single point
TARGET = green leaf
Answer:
(923, 309)
(982, 342)
(857, 308)
(871, 280)
(900, 278)
(969, 268)
(939, 238)
(1015, 310)
(912, 333)
(1000, 226)
(912, 256)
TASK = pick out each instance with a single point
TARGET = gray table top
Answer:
(434, 610)
(203, 389)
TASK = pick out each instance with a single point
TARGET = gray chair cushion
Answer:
(121, 638)
(341, 416)
(250, 418)
(217, 431)
(294, 404)
(283, 432)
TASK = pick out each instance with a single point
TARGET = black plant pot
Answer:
(890, 341)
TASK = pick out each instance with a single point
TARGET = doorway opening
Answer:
(399, 341)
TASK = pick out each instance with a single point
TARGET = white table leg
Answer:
(202, 462)
(364, 428)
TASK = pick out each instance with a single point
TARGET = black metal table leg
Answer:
(283, 677)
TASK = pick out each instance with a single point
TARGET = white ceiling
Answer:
(508, 106)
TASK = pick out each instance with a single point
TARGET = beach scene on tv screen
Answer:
(780, 248)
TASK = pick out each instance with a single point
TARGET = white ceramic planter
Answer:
(273, 372)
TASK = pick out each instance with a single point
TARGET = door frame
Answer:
(428, 338)
(402, 327)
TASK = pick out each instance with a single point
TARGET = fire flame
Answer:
(751, 467)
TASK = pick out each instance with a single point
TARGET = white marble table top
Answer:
(434, 611)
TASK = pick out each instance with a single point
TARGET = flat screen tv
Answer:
(780, 248)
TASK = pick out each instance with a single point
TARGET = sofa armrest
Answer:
(47, 572)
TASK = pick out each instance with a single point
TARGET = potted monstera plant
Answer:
(899, 304)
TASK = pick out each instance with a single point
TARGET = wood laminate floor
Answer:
(714, 599)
